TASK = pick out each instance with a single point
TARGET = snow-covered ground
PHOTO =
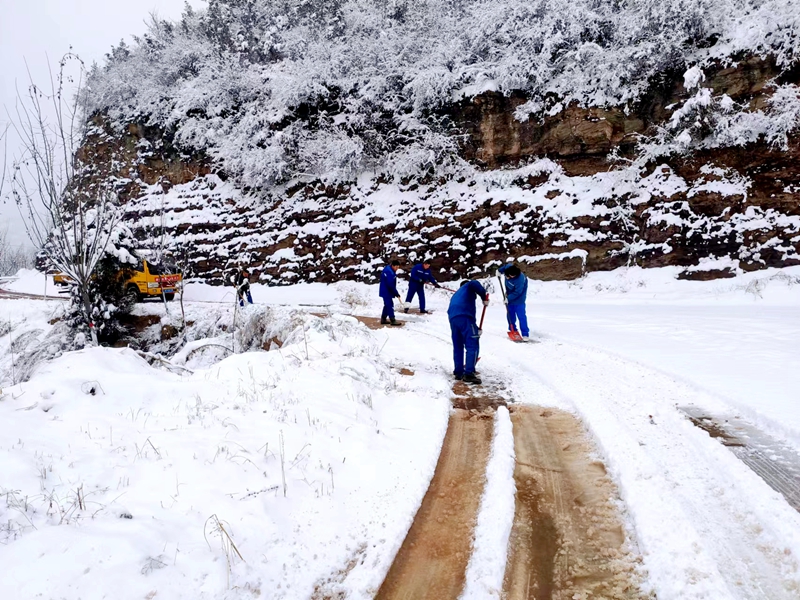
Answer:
(137, 480)
(309, 458)
(734, 338)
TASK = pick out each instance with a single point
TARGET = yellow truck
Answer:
(145, 280)
(61, 279)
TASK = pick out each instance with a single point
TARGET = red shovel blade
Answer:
(514, 336)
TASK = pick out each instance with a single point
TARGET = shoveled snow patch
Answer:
(487, 565)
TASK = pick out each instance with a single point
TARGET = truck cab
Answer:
(148, 280)
(145, 280)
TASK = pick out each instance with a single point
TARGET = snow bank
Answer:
(309, 462)
(634, 285)
(27, 337)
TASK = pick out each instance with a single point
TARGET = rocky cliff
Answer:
(562, 195)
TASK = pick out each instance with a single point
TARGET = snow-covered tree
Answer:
(284, 89)
(72, 226)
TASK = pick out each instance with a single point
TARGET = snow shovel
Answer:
(441, 287)
(480, 327)
(402, 304)
(513, 335)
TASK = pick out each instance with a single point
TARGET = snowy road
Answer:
(707, 526)
(363, 416)
(738, 353)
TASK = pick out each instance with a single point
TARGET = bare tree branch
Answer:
(4, 139)
(71, 226)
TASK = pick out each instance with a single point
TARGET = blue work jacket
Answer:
(516, 287)
(388, 287)
(462, 304)
(419, 275)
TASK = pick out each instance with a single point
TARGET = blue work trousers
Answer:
(242, 295)
(388, 309)
(517, 311)
(465, 337)
(416, 288)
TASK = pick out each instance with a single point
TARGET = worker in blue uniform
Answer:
(464, 329)
(420, 275)
(388, 291)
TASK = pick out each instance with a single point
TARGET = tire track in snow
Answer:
(433, 559)
(585, 550)
(699, 515)
(568, 539)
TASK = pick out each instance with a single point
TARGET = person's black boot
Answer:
(405, 310)
(472, 378)
(459, 377)
(384, 322)
(395, 323)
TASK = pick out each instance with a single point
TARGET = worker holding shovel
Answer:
(515, 293)
(464, 329)
(388, 291)
(420, 275)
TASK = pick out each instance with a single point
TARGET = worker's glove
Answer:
(437, 285)
(480, 332)
(505, 301)
(486, 302)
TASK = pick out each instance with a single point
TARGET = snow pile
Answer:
(31, 331)
(269, 473)
(31, 281)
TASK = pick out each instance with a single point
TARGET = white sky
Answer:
(33, 30)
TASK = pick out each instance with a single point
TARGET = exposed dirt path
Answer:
(432, 561)
(375, 322)
(567, 540)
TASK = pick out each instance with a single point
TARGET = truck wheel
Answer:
(170, 297)
(132, 295)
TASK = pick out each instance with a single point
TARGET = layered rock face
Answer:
(548, 196)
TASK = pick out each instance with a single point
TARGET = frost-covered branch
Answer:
(708, 121)
(281, 90)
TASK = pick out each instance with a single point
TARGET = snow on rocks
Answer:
(693, 77)
(320, 234)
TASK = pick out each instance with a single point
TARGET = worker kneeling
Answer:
(464, 329)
